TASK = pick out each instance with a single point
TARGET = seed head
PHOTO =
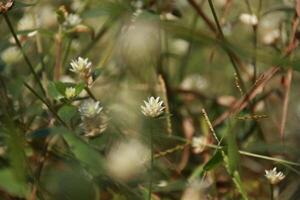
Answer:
(273, 176)
(153, 108)
(90, 109)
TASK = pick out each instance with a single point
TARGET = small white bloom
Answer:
(126, 160)
(90, 108)
(198, 144)
(81, 65)
(70, 92)
(273, 176)
(11, 55)
(248, 19)
(26, 23)
(271, 36)
(153, 108)
(194, 82)
(72, 20)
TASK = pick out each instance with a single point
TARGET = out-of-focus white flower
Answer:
(81, 65)
(46, 16)
(248, 19)
(199, 143)
(194, 82)
(162, 183)
(72, 20)
(90, 108)
(26, 23)
(153, 108)
(196, 190)
(220, 3)
(139, 42)
(70, 92)
(180, 46)
(11, 55)
(270, 36)
(127, 159)
(273, 176)
(94, 126)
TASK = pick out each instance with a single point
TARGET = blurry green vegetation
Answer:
(229, 83)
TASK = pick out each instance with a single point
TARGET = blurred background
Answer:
(226, 71)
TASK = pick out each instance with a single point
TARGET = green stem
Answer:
(31, 68)
(231, 56)
(271, 191)
(151, 162)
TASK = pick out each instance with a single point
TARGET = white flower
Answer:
(70, 92)
(248, 19)
(72, 20)
(271, 36)
(81, 65)
(127, 159)
(198, 144)
(26, 23)
(153, 108)
(11, 55)
(273, 176)
(90, 108)
(194, 82)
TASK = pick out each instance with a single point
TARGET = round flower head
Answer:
(81, 65)
(72, 20)
(273, 176)
(90, 108)
(248, 19)
(70, 92)
(198, 144)
(153, 108)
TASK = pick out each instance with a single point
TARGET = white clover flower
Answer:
(273, 176)
(248, 19)
(80, 65)
(90, 108)
(198, 144)
(72, 20)
(70, 92)
(153, 108)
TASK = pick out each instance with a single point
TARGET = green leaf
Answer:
(53, 92)
(88, 157)
(10, 183)
(18, 171)
(67, 112)
(214, 161)
(232, 150)
(79, 88)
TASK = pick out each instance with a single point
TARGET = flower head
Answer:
(248, 19)
(153, 108)
(80, 65)
(198, 144)
(72, 20)
(70, 92)
(273, 176)
(90, 108)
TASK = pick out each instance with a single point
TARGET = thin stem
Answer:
(271, 192)
(151, 162)
(31, 68)
(231, 55)
(90, 93)
(46, 103)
